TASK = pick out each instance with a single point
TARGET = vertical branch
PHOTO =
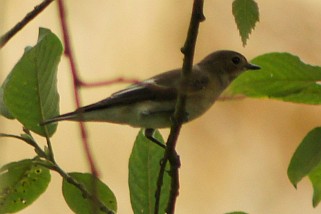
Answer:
(69, 54)
(170, 153)
(190, 42)
(77, 85)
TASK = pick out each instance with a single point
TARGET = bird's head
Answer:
(226, 62)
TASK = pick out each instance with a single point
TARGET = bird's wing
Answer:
(162, 87)
(196, 81)
(152, 89)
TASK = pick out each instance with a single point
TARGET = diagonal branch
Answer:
(179, 115)
(31, 15)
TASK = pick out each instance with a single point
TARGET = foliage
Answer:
(32, 84)
(81, 203)
(246, 14)
(21, 184)
(29, 94)
(283, 76)
(144, 165)
(306, 161)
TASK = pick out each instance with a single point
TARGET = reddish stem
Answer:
(107, 82)
(69, 54)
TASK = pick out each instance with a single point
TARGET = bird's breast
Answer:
(198, 103)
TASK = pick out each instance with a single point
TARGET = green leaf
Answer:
(30, 90)
(3, 109)
(282, 76)
(144, 165)
(315, 178)
(307, 156)
(307, 161)
(21, 183)
(81, 204)
(246, 14)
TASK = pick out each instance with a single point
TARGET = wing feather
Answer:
(147, 90)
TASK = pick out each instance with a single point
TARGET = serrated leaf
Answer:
(30, 90)
(307, 156)
(144, 165)
(21, 183)
(79, 203)
(282, 76)
(246, 14)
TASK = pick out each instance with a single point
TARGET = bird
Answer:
(150, 104)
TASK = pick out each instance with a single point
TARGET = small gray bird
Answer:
(150, 104)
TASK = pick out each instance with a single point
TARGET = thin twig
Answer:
(107, 82)
(70, 55)
(31, 142)
(31, 15)
(83, 190)
(76, 82)
(48, 161)
(179, 115)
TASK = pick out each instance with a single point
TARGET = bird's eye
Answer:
(236, 60)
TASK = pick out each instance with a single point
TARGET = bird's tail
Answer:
(67, 116)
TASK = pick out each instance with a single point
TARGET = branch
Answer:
(107, 82)
(74, 71)
(29, 141)
(179, 115)
(31, 15)
(51, 163)
(76, 82)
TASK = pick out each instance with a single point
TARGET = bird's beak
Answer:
(252, 67)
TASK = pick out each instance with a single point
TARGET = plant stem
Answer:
(74, 71)
(179, 115)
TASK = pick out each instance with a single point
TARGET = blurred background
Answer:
(235, 157)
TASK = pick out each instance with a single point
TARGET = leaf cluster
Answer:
(29, 94)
